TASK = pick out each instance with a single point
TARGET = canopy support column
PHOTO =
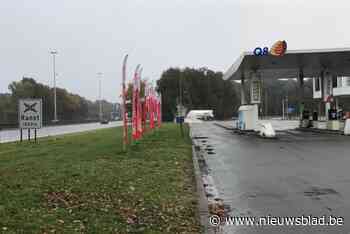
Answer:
(327, 91)
(336, 99)
(243, 99)
(301, 93)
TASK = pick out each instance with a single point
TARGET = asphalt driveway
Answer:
(297, 174)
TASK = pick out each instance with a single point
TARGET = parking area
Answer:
(299, 173)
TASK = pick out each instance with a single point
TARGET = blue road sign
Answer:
(180, 119)
(291, 109)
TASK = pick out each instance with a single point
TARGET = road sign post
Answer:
(21, 134)
(29, 116)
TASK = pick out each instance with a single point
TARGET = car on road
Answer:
(104, 121)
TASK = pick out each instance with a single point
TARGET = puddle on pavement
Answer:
(315, 192)
(203, 166)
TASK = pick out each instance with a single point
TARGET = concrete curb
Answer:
(324, 131)
(202, 199)
(223, 126)
(203, 209)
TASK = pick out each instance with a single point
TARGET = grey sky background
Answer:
(93, 36)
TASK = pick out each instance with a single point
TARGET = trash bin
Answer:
(315, 116)
(332, 114)
(306, 114)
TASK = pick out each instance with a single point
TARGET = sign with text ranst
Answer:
(30, 113)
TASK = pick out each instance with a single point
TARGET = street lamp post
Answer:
(100, 94)
(287, 106)
(54, 84)
(208, 90)
(282, 108)
(181, 100)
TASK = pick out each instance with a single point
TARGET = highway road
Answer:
(13, 135)
(299, 173)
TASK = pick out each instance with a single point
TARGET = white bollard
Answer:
(266, 130)
(347, 127)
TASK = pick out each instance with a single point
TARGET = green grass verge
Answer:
(84, 183)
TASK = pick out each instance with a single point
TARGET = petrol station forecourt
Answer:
(303, 170)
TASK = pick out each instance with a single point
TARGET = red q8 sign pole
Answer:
(124, 112)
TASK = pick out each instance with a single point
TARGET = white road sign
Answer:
(30, 113)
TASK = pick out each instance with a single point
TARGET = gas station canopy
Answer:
(310, 62)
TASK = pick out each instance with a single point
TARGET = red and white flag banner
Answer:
(124, 111)
(159, 111)
(144, 107)
(139, 106)
(152, 108)
(135, 103)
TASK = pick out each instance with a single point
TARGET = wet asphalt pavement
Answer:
(300, 173)
(13, 135)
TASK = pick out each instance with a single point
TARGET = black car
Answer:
(104, 121)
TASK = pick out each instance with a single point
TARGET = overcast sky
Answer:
(93, 36)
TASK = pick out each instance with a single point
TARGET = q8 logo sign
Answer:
(277, 49)
(30, 113)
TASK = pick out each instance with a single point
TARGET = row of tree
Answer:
(199, 89)
(70, 107)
